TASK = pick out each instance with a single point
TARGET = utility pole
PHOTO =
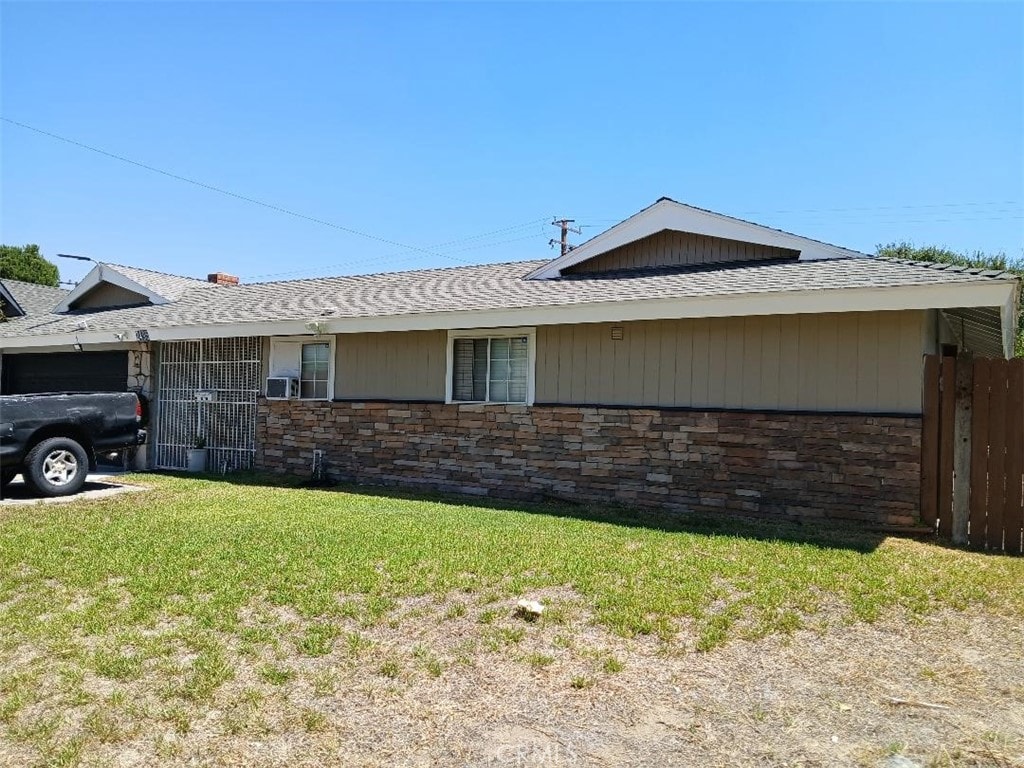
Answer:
(566, 229)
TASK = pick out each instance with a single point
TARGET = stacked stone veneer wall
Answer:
(861, 468)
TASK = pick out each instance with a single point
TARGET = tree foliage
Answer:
(27, 264)
(939, 255)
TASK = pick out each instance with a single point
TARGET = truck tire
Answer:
(57, 467)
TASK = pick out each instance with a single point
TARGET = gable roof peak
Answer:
(668, 214)
(155, 287)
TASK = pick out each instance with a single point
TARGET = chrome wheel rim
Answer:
(60, 467)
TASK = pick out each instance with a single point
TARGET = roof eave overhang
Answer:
(987, 293)
(670, 215)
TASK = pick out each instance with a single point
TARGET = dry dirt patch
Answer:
(460, 682)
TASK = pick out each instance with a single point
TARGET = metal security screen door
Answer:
(228, 370)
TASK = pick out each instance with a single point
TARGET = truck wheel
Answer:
(57, 467)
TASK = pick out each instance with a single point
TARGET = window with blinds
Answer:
(490, 370)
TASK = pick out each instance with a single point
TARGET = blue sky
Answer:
(431, 123)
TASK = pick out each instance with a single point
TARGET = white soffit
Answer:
(668, 214)
(103, 273)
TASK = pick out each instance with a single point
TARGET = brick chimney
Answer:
(221, 278)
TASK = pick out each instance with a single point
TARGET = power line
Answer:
(514, 228)
(926, 221)
(887, 207)
(228, 193)
(885, 210)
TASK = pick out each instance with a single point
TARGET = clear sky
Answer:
(430, 123)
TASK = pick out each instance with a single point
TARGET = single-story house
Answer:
(681, 358)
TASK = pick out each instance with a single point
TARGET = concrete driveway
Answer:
(98, 485)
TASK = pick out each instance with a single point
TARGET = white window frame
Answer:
(276, 346)
(493, 333)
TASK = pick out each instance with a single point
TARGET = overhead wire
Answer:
(864, 214)
(257, 278)
(243, 198)
(868, 212)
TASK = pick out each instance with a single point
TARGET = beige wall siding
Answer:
(391, 366)
(859, 361)
(864, 361)
(670, 248)
(109, 295)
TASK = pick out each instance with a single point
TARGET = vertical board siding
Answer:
(889, 350)
(734, 331)
(809, 375)
(110, 295)
(752, 352)
(840, 361)
(670, 248)
(391, 366)
(771, 348)
(789, 362)
(829, 351)
(700, 331)
(868, 369)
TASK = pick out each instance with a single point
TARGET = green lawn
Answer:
(116, 589)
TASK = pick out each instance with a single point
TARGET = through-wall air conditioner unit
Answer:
(282, 388)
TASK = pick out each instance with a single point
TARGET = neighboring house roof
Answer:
(31, 298)
(497, 294)
(155, 287)
(667, 214)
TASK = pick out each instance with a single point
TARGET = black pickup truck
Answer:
(52, 439)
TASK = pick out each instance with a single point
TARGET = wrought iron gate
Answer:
(229, 369)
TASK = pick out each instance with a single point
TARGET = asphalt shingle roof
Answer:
(34, 299)
(488, 287)
(171, 287)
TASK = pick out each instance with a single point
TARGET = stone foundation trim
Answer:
(862, 468)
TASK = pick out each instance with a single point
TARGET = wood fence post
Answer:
(962, 446)
(930, 399)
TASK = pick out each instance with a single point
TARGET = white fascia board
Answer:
(668, 214)
(989, 293)
(109, 275)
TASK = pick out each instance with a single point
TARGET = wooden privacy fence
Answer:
(972, 451)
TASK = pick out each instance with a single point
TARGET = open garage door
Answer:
(24, 374)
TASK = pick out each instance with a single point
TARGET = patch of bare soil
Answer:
(454, 683)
